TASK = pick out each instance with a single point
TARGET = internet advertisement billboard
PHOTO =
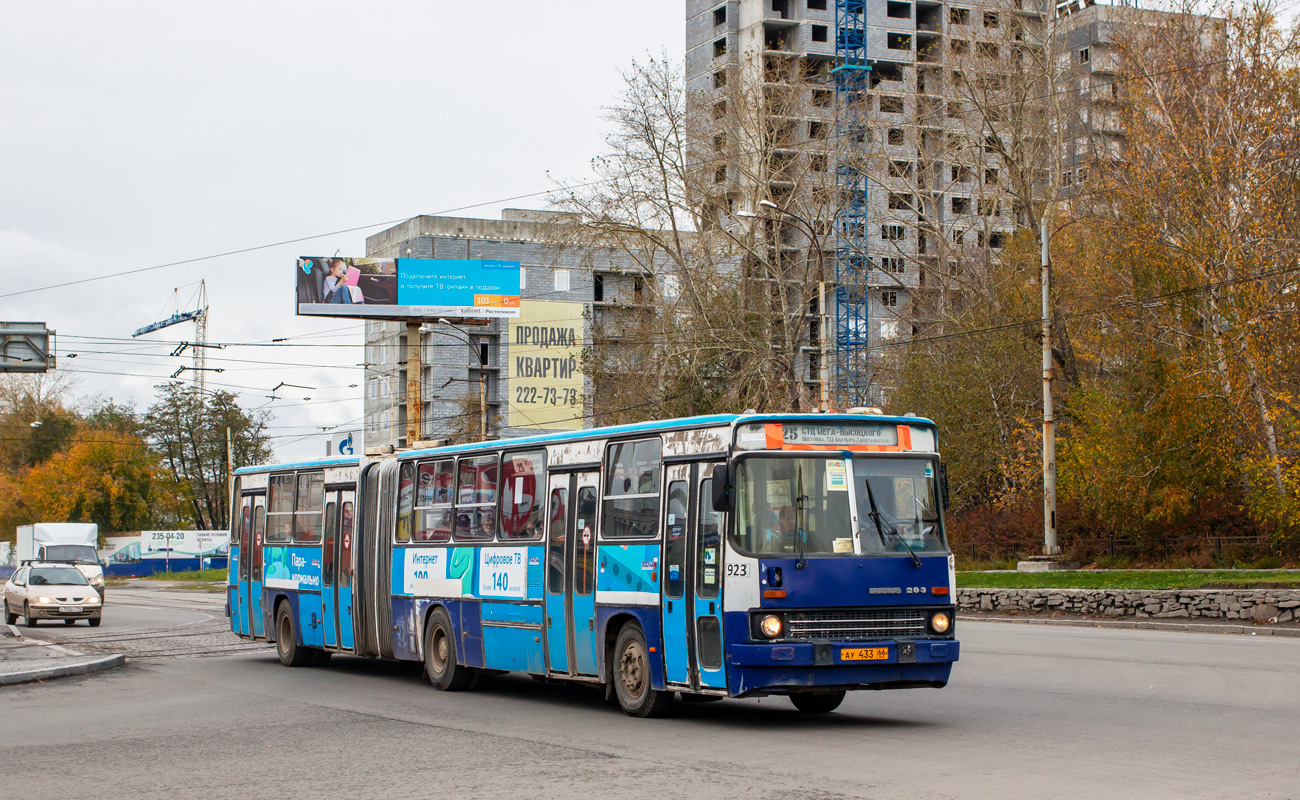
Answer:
(545, 366)
(406, 288)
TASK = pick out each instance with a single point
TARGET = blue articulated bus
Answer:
(720, 556)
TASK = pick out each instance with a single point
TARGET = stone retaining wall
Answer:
(1259, 605)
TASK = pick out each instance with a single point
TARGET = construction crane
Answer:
(200, 344)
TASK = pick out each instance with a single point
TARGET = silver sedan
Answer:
(51, 591)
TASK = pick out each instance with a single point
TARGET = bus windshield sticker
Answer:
(842, 545)
(778, 493)
(837, 477)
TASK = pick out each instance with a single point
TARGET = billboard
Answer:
(406, 288)
(545, 366)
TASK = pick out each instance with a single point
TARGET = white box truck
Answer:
(75, 542)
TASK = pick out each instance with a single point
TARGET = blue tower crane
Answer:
(852, 77)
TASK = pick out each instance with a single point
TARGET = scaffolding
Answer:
(852, 302)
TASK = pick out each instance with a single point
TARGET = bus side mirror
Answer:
(943, 485)
(722, 487)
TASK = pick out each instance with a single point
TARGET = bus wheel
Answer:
(440, 654)
(286, 639)
(631, 676)
(817, 702)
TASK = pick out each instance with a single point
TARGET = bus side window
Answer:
(555, 546)
(307, 521)
(476, 499)
(345, 547)
(584, 561)
(279, 499)
(433, 502)
(259, 536)
(405, 501)
(633, 471)
(709, 569)
(675, 546)
(327, 552)
(522, 484)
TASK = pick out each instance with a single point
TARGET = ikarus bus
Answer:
(721, 556)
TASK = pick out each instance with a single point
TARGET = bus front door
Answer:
(706, 549)
(254, 604)
(571, 574)
(692, 579)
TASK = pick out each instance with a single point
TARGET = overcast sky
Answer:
(142, 133)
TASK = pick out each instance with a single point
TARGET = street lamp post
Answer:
(823, 320)
(482, 379)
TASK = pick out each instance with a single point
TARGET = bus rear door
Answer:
(254, 604)
(692, 580)
(239, 603)
(329, 610)
(336, 568)
(343, 569)
(571, 574)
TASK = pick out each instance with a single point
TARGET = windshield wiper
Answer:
(878, 519)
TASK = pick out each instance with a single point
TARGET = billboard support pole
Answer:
(414, 381)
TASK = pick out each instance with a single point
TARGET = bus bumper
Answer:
(780, 668)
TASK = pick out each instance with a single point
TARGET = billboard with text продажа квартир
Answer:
(407, 288)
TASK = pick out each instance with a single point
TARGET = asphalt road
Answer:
(1032, 712)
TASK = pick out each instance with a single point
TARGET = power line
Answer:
(571, 187)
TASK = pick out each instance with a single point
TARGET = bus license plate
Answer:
(864, 654)
(70, 609)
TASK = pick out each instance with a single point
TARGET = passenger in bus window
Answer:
(777, 532)
(487, 527)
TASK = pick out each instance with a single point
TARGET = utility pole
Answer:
(414, 381)
(1050, 547)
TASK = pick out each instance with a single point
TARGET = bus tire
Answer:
(630, 672)
(440, 655)
(817, 702)
(286, 639)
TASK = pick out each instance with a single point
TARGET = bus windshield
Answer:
(781, 501)
(793, 506)
(906, 498)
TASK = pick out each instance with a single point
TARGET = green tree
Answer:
(188, 432)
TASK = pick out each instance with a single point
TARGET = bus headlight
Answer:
(940, 622)
(770, 626)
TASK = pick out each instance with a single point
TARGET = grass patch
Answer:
(1103, 579)
(201, 575)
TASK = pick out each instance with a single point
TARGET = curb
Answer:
(1189, 627)
(83, 668)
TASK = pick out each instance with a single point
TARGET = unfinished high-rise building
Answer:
(937, 126)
